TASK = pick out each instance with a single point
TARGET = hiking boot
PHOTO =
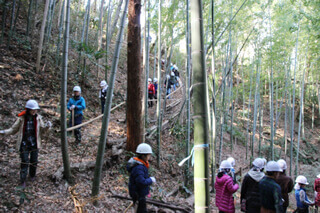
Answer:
(32, 179)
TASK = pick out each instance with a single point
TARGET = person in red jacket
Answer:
(317, 191)
(225, 188)
(151, 92)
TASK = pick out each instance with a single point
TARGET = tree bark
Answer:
(135, 77)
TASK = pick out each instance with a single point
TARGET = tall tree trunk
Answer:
(115, 19)
(107, 41)
(11, 22)
(159, 86)
(186, 170)
(63, 118)
(17, 15)
(201, 120)
(213, 120)
(146, 59)
(43, 26)
(248, 116)
(60, 32)
(4, 18)
(135, 76)
(293, 100)
(29, 17)
(107, 108)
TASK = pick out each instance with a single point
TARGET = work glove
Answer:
(153, 179)
(49, 124)
(72, 107)
(2, 131)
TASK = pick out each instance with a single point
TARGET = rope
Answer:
(198, 146)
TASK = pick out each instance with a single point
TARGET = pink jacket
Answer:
(224, 190)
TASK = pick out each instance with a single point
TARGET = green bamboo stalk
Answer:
(200, 103)
(159, 85)
(106, 116)
(63, 118)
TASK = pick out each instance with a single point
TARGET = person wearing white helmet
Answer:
(139, 180)
(151, 92)
(177, 74)
(286, 184)
(303, 202)
(269, 190)
(250, 195)
(29, 126)
(103, 94)
(76, 105)
(233, 163)
(317, 191)
(225, 187)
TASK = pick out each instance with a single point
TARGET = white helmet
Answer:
(149, 80)
(76, 89)
(273, 166)
(258, 162)
(225, 165)
(172, 73)
(155, 80)
(175, 67)
(144, 148)
(232, 161)
(302, 179)
(168, 76)
(103, 83)
(264, 161)
(32, 104)
(282, 163)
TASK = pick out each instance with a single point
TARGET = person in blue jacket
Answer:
(76, 105)
(303, 202)
(139, 180)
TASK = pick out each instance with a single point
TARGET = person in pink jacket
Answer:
(225, 188)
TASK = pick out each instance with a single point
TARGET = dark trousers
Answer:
(150, 97)
(142, 203)
(77, 121)
(27, 162)
(103, 101)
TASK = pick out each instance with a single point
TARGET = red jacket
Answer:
(151, 89)
(317, 189)
(224, 193)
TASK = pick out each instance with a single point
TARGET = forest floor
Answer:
(19, 82)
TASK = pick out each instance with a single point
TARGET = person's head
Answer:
(318, 176)
(172, 73)
(225, 167)
(283, 165)
(273, 169)
(302, 181)
(149, 81)
(103, 84)
(32, 107)
(144, 151)
(232, 161)
(155, 80)
(76, 91)
(258, 165)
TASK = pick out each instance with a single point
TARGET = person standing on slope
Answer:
(29, 126)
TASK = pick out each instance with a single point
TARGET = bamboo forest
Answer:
(160, 106)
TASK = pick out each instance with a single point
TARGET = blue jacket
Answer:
(302, 203)
(80, 104)
(139, 180)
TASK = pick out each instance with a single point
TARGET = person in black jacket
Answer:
(139, 180)
(250, 198)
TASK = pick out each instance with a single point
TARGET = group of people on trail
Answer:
(172, 79)
(265, 192)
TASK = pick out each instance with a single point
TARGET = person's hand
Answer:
(153, 179)
(49, 124)
(72, 107)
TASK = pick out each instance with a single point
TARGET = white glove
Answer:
(49, 124)
(2, 131)
(153, 180)
(72, 107)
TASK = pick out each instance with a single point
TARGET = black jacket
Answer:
(250, 192)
